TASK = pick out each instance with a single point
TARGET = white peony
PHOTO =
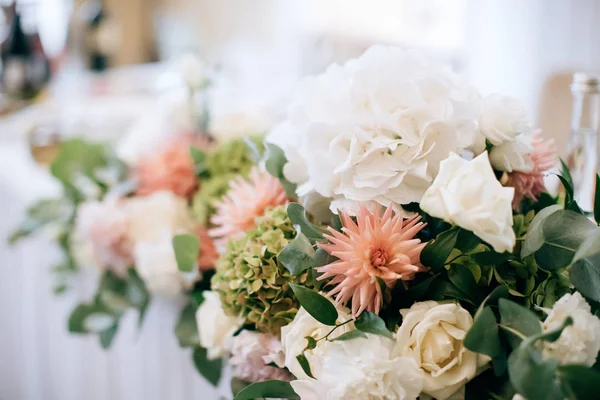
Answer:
(215, 327)
(432, 334)
(377, 127)
(514, 155)
(467, 194)
(502, 118)
(360, 369)
(153, 221)
(578, 343)
(293, 340)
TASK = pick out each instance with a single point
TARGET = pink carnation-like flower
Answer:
(104, 227)
(251, 355)
(245, 200)
(208, 252)
(171, 169)
(531, 184)
(376, 246)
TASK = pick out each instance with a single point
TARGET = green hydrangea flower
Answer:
(250, 279)
(228, 160)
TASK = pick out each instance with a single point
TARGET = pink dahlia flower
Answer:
(251, 355)
(245, 200)
(375, 247)
(171, 169)
(208, 252)
(531, 184)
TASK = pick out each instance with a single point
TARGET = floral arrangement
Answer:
(391, 239)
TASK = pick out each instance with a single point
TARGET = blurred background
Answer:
(105, 69)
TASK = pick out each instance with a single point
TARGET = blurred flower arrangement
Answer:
(391, 239)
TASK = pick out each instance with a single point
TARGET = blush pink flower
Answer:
(376, 247)
(531, 184)
(245, 200)
(251, 354)
(170, 169)
(208, 251)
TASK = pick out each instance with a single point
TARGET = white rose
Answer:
(513, 156)
(502, 118)
(155, 263)
(432, 334)
(192, 70)
(363, 368)
(215, 327)
(467, 194)
(293, 340)
(376, 128)
(578, 343)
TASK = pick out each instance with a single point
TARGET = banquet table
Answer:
(39, 358)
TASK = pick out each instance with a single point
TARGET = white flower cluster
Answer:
(136, 232)
(378, 127)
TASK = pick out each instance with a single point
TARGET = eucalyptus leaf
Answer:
(316, 305)
(186, 329)
(350, 335)
(253, 149)
(199, 159)
(535, 235)
(41, 214)
(534, 377)
(209, 369)
(298, 255)
(186, 248)
(372, 323)
(274, 162)
(106, 336)
(581, 381)
(77, 157)
(436, 252)
(137, 293)
(518, 318)
(297, 215)
(483, 337)
(585, 269)
(321, 258)
(267, 389)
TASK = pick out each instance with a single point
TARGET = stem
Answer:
(326, 337)
(454, 259)
(513, 331)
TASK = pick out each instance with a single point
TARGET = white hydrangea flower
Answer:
(578, 343)
(361, 369)
(502, 119)
(514, 155)
(377, 128)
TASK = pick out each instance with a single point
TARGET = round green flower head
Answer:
(228, 160)
(251, 281)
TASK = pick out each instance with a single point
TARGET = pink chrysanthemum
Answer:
(376, 246)
(531, 184)
(171, 169)
(208, 252)
(245, 200)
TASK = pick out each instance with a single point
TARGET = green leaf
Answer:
(297, 215)
(585, 269)
(199, 159)
(532, 376)
(78, 315)
(137, 294)
(535, 236)
(253, 149)
(209, 369)
(304, 364)
(311, 343)
(351, 335)
(298, 255)
(321, 258)
(267, 389)
(581, 381)
(371, 323)
(436, 252)
(274, 162)
(41, 214)
(464, 280)
(419, 291)
(491, 258)
(107, 336)
(597, 200)
(187, 248)
(316, 305)
(237, 385)
(78, 158)
(483, 336)
(564, 231)
(443, 289)
(186, 329)
(466, 241)
(518, 318)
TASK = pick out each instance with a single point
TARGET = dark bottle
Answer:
(16, 56)
(96, 22)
